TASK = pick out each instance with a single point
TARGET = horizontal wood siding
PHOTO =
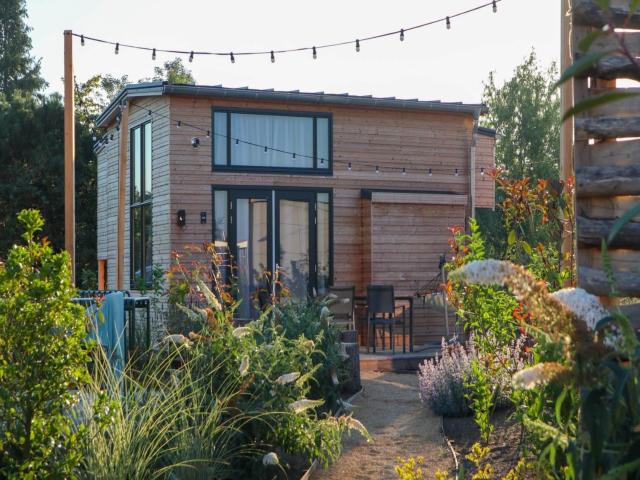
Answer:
(485, 158)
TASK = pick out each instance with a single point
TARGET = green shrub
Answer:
(42, 359)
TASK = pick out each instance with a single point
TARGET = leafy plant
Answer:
(43, 358)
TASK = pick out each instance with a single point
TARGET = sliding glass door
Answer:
(287, 228)
(250, 245)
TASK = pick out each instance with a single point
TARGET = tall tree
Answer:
(173, 71)
(18, 69)
(525, 110)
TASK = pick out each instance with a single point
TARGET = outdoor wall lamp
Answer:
(181, 218)
(203, 217)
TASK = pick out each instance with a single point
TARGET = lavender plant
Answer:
(445, 381)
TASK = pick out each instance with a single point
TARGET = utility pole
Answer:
(69, 154)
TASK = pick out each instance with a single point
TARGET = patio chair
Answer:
(343, 309)
(381, 301)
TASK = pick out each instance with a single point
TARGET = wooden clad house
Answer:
(335, 189)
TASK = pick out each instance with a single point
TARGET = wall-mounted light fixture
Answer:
(181, 218)
(203, 217)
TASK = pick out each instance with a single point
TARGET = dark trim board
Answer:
(276, 170)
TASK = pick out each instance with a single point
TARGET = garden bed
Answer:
(505, 443)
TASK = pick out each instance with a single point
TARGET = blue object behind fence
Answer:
(108, 330)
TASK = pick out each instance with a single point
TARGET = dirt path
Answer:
(400, 425)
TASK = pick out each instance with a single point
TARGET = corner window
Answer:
(141, 196)
(276, 141)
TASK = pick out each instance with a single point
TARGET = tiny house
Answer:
(334, 189)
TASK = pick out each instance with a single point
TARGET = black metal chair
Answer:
(381, 300)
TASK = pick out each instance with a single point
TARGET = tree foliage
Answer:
(19, 71)
(174, 71)
(42, 358)
(525, 110)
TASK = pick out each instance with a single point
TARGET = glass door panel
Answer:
(293, 241)
(251, 240)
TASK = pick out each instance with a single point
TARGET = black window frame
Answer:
(143, 205)
(233, 191)
(228, 167)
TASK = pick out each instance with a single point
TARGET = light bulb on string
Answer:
(377, 170)
(149, 112)
(111, 137)
(237, 141)
(82, 40)
(191, 57)
(402, 34)
(117, 51)
(93, 137)
(153, 54)
(273, 57)
(448, 24)
(404, 171)
(430, 173)
(494, 6)
(357, 45)
(322, 161)
(456, 173)
(315, 54)
(482, 172)
(265, 149)
(208, 133)
(179, 124)
(349, 166)
(293, 154)
(233, 59)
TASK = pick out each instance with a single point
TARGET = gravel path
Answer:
(400, 425)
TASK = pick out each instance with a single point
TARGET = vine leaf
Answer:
(581, 65)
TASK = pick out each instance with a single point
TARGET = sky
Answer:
(431, 64)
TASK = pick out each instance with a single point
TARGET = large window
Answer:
(141, 197)
(261, 228)
(273, 141)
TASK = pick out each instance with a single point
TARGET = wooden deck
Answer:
(398, 362)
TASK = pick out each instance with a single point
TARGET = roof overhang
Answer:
(317, 98)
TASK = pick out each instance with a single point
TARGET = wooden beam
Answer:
(69, 154)
(608, 127)
(589, 14)
(595, 281)
(591, 232)
(607, 181)
(566, 102)
(122, 169)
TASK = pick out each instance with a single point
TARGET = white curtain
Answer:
(291, 134)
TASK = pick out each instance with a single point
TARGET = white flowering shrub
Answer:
(443, 380)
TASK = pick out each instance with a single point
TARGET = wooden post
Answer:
(122, 166)
(566, 102)
(69, 154)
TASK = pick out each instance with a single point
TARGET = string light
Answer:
(117, 48)
(315, 54)
(401, 32)
(82, 40)
(111, 136)
(495, 7)
(266, 148)
(233, 59)
(191, 57)
(273, 57)
(93, 137)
